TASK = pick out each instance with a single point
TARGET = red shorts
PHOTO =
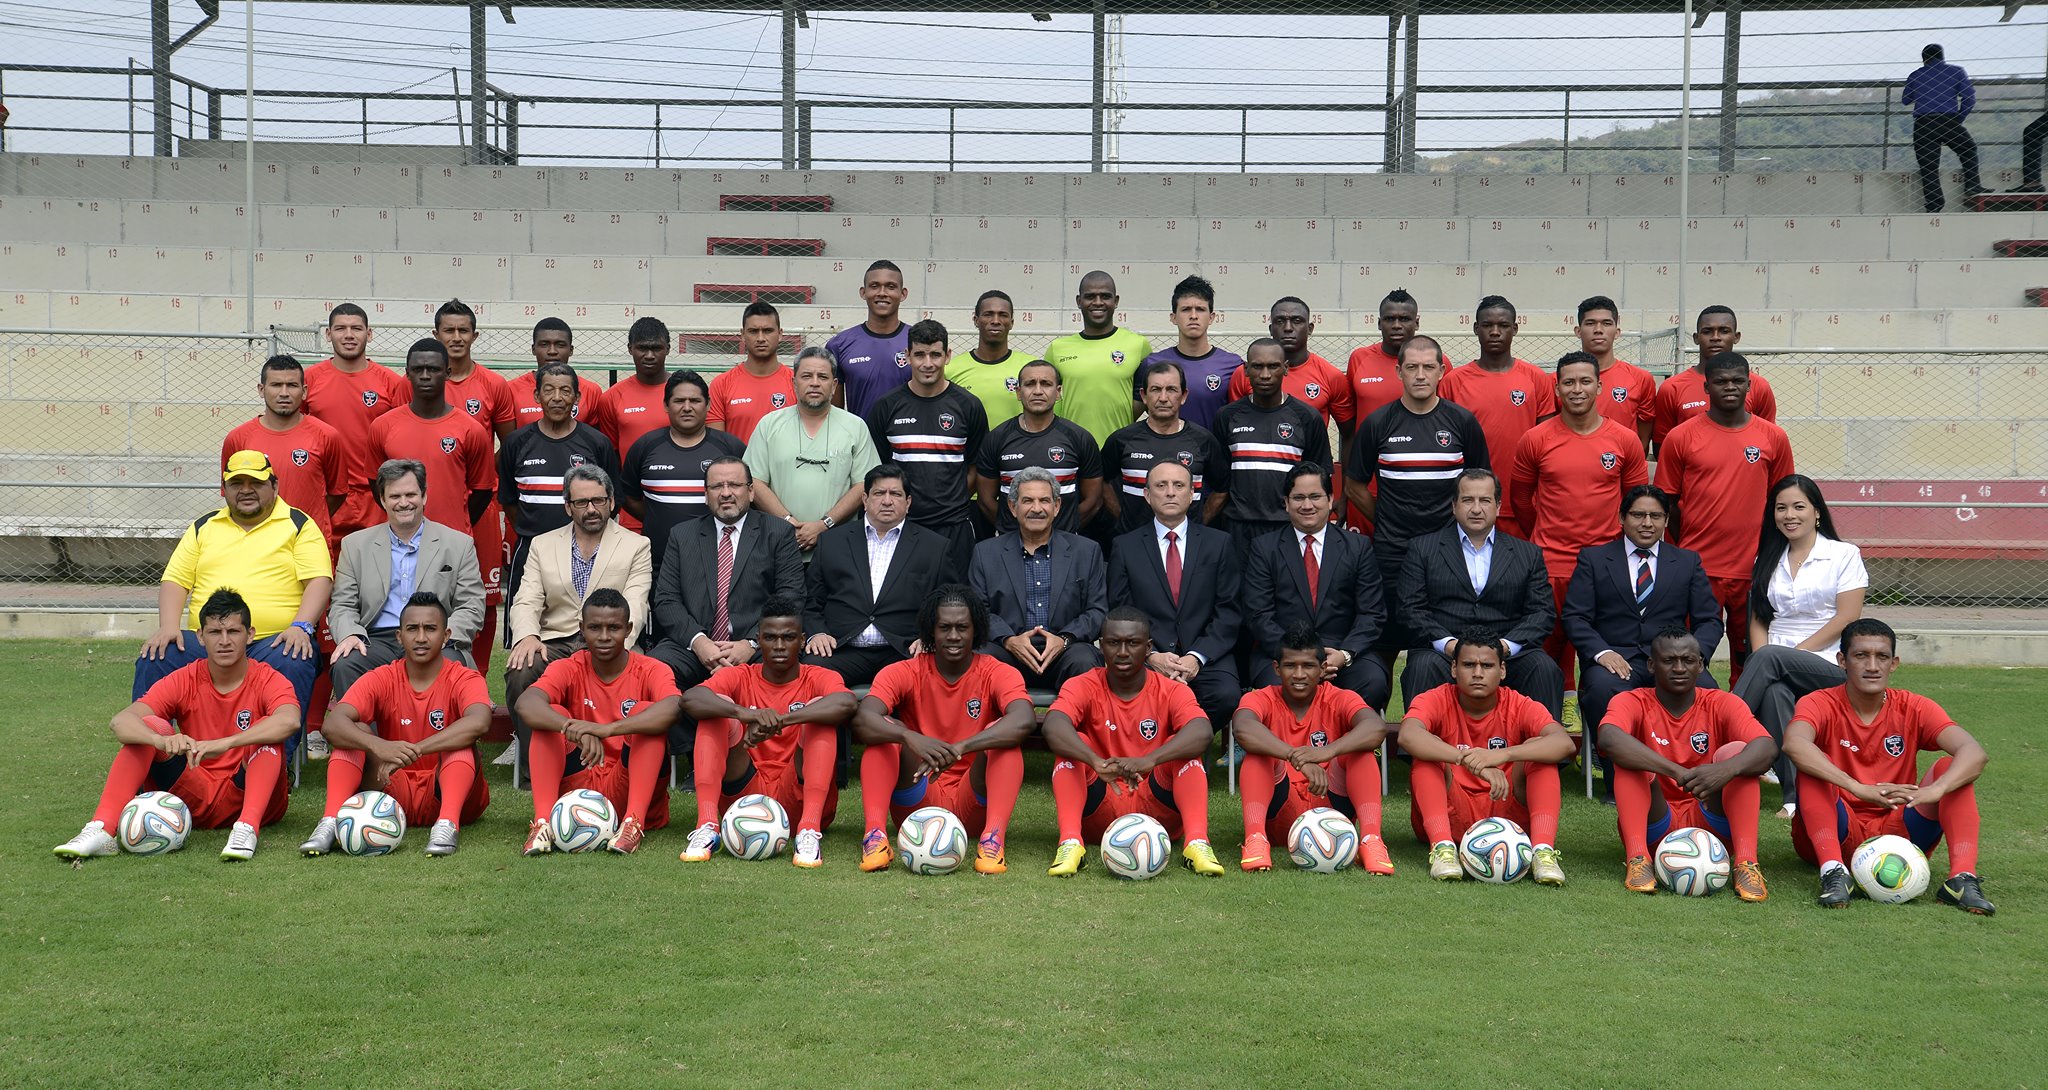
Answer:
(785, 786)
(418, 794)
(215, 799)
(490, 550)
(610, 780)
(1862, 826)
(1294, 799)
(1733, 595)
(1150, 797)
(952, 790)
(1469, 807)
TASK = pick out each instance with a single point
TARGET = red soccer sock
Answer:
(344, 776)
(644, 758)
(1545, 797)
(321, 696)
(1740, 800)
(1004, 777)
(820, 743)
(1960, 822)
(880, 768)
(124, 781)
(1069, 795)
(260, 774)
(1191, 797)
(707, 755)
(547, 756)
(456, 776)
(1362, 781)
(1257, 780)
(1817, 801)
(1432, 798)
(1632, 789)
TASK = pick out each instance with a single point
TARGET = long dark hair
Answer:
(1771, 543)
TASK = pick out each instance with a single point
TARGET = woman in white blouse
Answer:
(1806, 586)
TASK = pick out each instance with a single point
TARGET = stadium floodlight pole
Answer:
(249, 158)
(1684, 178)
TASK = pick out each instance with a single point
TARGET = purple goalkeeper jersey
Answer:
(870, 364)
(1208, 381)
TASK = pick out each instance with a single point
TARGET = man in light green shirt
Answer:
(1099, 365)
(809, 459)
(989, 369)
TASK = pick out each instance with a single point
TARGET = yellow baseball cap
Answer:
(248, 463)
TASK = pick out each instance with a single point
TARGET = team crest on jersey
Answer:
(474, 406)
(1186, 458)
(1055, 454)
(301, 457)
(1516, 397)
(902, 359)
(974, 708)
(447, 444)
(437, 719)
(1010, 384)
(1751, 454)
(575, 460)
(1618, 393)
(1148, 729)
(370, 398)
(778, 399)
(1496, 742)
(947, 421)
(242, 719)
(1214, 382)
(1285, 432)
(1699, 741)
(1443, 438)
(626, 707)
(1117, 358)
(1314, 390)
(1608, 460)
(1895, 745)
(1318, 738)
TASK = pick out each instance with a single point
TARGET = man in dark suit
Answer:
(1046, 589)
(1185, 577)
(716, 574)
(1325, 575)
(868, 578)
(1625, 592)
(1468, 574)
(382, 566)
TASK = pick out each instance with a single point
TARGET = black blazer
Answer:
(1207, 620)
(765, 564)
(1080, 594)
(1437, 599)
(1600, 604)
(1350, 606)
(839, 603)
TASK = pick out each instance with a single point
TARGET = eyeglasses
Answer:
(597, 504)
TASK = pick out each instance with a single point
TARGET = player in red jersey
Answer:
(1625, 389)
(1290, 732)
(637, 404)
(1313, 379)
(1374, 371)
(223, 756)
(456, 450)
(1568, 477)
(347, 392)
(484, 395)
(924, 721)
(1684, 395)
(1483, 750)
(312, 469)
(600, 717)
(1858, 752)
(409, 729)
(1507, 394)
(760, 384)
(772, 728)
(554, 342)
(1703, 751)
(1718, 469)
(1128, 741)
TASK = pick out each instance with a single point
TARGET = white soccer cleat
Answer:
(538, 840)
(703, 843)
(322, 840)
(808, 845)
(91, 842)
(441, 838)
(241, 844)
(317, 748)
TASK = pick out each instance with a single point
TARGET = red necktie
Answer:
(1173, 566)
(1308, 563)
(721, 620)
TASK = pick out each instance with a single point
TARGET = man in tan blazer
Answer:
(562, 567)
(382, 566)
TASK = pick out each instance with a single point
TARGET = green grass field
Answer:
(489, 970)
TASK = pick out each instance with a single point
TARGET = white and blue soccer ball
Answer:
(1135, 846)
(754, 827)
(583, 820)
(1323, 841)
(369, 823)
(1691, 861)
(932, 841)
(1495, 850)
(1890, 869)
(153, 823)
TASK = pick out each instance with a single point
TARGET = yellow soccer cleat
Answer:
(1199, 857)
(1444, 865)
(1067, 859)
(1548, 867)
(1570, 719)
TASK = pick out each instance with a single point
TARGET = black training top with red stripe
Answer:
(1263, 445)
(937, 441)
(1416, 458)
(1132, 451)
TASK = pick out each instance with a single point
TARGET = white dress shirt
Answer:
(1180, 540)
(1478, 568)
(881, 553)
(1803, 603)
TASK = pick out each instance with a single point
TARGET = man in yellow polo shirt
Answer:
(1098, 366)
(272, 555)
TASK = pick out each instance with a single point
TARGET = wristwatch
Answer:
(1349, 658)
(304, 626)
(830, 522)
